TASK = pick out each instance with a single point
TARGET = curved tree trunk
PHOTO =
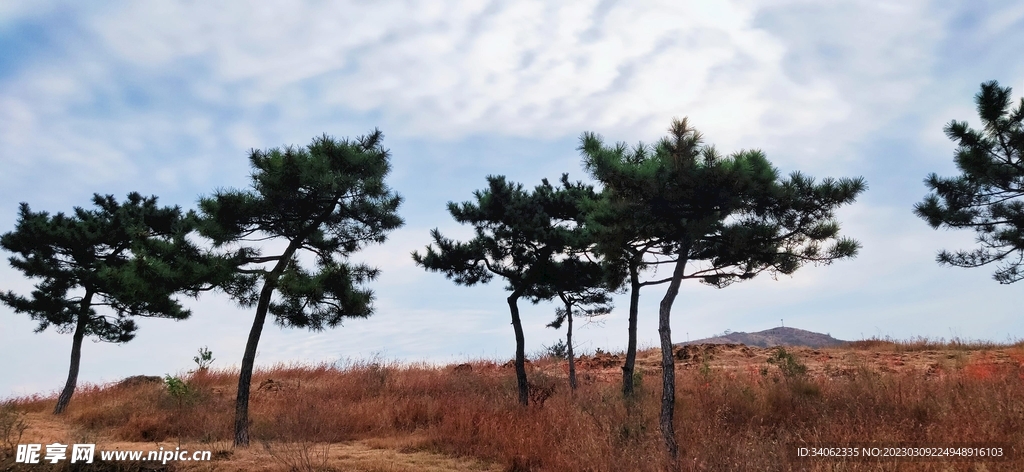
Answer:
(517, 325)
(668, 364)
(634, 300)
(248, 361)
(568, 342)
(76, 355)
(249, 357)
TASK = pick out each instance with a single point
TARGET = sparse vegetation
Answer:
(926, 344)
(745, 421)
(301, 456)
(12, 427)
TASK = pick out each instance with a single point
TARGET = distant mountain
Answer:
(773, 337)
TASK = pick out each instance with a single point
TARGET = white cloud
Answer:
(519, 68)
(527, 68)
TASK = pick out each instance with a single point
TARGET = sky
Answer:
(168, 98)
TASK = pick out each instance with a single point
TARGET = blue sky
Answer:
(166, 98)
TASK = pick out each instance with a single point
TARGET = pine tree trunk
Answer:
(517, 325)
(249, 357)
(568, 342)
(668, 364)
(248, 362)
(76, 355)
(634, 300)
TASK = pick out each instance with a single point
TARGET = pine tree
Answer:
(582, 288)
(517, 238)
(129, 257)
(626, 251)
(988, 195)
(724, 218)
(580, 280)
(328, 200)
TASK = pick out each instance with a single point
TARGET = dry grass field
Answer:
(739, 408)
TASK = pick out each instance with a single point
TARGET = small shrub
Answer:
(179, 390)
(787, 363)
(705, 369)
(559, 350)
(203, 360)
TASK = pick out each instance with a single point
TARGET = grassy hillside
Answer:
(740, 408)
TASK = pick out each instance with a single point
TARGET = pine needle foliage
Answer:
(130, 257)
(988, 195)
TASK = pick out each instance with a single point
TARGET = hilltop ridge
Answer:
(780, 336)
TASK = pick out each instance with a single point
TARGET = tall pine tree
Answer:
(327, 200)
(717, 219)
(617, 228)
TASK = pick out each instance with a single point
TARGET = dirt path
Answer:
(372, 455)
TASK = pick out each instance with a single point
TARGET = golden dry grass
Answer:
(735, 411)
